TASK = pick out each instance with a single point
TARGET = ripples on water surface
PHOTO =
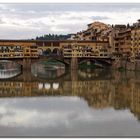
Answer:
(71, 103)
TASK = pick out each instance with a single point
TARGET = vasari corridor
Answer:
(70, 70)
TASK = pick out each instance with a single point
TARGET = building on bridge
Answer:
(86, 49)
(69, 48)
(18, 49)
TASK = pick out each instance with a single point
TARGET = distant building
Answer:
(96, 31)
(122, 42)
(79, 36)
(135, 40)
(72, 36)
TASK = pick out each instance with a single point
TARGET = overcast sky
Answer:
(25, 21)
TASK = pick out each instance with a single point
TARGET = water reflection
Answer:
(9, 69)
(80, 103)
(48, 71)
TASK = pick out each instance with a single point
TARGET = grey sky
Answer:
(23, 21)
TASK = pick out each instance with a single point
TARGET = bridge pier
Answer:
(26, 65)
(26, 75)
(74, 63)
(74, 74)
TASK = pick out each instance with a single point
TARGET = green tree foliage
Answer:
(53, 37)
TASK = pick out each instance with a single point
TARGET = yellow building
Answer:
(122, 42)
(87, 49)
(67, 48)
(18, 49)
(135, 40)
(96, 31)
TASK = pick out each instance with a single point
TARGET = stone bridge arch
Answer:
(40, 51)
(66, 62)
(9, 69)
(12, 62)
(47, 52)
(86, 62)
(96, 61)
(105, 63)
(80, 61)
(55, 51)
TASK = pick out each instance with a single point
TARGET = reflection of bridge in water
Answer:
(71, 63)
(6, 74)
(101, 89)
(27, 82)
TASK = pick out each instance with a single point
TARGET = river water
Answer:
(62, 103)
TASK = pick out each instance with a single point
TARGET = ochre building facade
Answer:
(34, 49)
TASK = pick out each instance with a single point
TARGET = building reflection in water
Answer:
(99, 88)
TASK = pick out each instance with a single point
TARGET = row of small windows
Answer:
(84, 55)
(18, 84)
(10, 47)
(77, 51)
(103, 54)
(17, 55)
(77, 55)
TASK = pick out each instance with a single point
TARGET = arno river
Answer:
(51, 101)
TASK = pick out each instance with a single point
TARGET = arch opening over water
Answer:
(9, 69)
(48, 69)
(47, 52)
(55, 51)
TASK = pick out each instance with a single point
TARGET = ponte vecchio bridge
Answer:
(26, 52)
